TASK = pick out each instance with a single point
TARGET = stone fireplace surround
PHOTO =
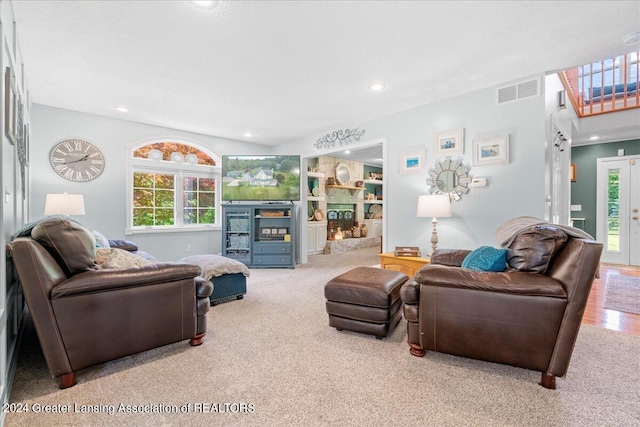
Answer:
(345, 200)
(335, 246)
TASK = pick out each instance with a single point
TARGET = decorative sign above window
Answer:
(343, 137)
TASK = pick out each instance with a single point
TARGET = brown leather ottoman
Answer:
(365, 299)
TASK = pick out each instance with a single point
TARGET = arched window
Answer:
(173, 185)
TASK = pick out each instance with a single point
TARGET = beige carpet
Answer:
(623, 293)
(275, 353)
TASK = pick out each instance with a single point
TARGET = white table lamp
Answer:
(64, 204)
(434, 205)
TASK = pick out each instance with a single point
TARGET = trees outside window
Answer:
(199, 200)
(153, 199)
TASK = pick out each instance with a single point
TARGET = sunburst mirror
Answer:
(449, 176)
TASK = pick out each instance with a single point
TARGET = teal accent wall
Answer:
(371, 168)
(372, 188)
(583, 191)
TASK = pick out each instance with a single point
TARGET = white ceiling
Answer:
(371, 155)
(287, 70)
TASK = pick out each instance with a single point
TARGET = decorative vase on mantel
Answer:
(338, 235)
(355, 231)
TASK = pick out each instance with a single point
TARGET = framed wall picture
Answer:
(412, 162)
(10, 106)
(573, 172)
(491, 150)
(449, 143)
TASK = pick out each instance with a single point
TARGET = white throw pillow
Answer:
(119, 258)
(101, 240)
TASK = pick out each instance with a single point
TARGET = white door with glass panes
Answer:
(618, 209)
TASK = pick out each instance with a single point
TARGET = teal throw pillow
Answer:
(486, 258)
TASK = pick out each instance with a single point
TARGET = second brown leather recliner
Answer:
(527, 316)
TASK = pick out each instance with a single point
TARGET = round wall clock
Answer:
(76, 160)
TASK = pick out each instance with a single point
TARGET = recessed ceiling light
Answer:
(377, 86)
(205, 4)
(122, 108)
(248, 134)
(594, 137)
(632, 38)
(347, 152)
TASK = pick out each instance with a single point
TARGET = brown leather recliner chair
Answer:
(85, 315)
(527, 316)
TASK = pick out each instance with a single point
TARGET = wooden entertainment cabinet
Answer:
(260, 235)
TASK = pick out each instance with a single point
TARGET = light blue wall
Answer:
(105, 202)
(513, 189)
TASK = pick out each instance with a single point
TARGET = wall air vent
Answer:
(518, 91)
(507, 94)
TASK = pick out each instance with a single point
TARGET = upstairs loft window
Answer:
(173, 186)
(609, 78)
(604, 86)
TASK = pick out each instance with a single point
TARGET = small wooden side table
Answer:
(408, 265)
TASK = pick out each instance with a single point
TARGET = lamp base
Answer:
(434, 235)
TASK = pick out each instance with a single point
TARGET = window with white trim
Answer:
(173, 185)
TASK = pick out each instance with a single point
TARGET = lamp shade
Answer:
(434, 205)
(64, 204)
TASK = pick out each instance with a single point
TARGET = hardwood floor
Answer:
(596, 314)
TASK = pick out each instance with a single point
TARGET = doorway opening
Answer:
(363, 192)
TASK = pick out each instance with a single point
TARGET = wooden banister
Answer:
(590, 92)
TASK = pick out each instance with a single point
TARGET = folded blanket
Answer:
(216, 265)
(507, 232)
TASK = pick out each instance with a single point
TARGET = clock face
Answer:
(76, 160)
